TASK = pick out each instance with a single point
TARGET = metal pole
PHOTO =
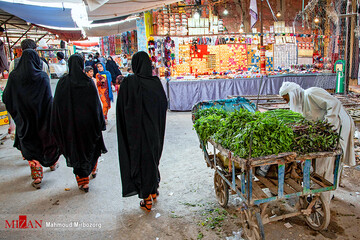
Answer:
(352, 38)
(42, 37)
(21, 36)
(261, 24)
(7, 39)
(303, 5)
(347, 49)
(262, 48)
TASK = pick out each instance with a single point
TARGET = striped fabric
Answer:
(82, 181)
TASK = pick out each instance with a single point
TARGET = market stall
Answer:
(199, 58)
(183, 95)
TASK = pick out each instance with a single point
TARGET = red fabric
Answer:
(85, 43)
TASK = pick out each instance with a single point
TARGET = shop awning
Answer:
(18, 29)
(66, 35)
(48, 16)
(105, 9)
(111, 28)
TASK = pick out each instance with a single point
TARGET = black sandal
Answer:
(155, 195)
(84, 189)
(146, 204)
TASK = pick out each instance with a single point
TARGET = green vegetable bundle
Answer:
(271, 132)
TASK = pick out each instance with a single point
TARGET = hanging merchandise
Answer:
(184, 24)
(254, 58)
(152, 54)
(129, 43)
(221, 25)
(168, 58)
(125, 43)
(118, 44)
(285, 55)
(172, 25)
(160, 22)
(166, 21)
(105, 46)
(141, 33)
(112, 45)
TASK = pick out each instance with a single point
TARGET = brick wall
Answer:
(288, 8)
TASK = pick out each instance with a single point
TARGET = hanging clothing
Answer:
(77, 120)
(28, 99)
(113, 68)
(108, 78)
(141, 116)
(103, 90)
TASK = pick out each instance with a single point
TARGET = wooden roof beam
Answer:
(22, 36)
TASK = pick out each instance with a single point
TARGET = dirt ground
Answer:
(186, 208)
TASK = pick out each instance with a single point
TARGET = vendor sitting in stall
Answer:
(317, 104)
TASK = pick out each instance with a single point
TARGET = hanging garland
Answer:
(168, 44)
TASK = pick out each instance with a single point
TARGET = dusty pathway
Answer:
(186, 209)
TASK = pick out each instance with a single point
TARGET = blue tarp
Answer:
(49, 16)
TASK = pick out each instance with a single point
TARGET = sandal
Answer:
(54, 167)
(36, 173)
(84, 188)
(94, 171)
(36, 184)
(146, 204)
(155, 195)
(83, 183)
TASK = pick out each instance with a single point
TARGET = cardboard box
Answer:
(4, 118)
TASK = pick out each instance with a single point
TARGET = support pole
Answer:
(262, 48)
(303, 5)
(7, 39)
(21, 36)
(347, 49)
(352, 37)
(42, 38)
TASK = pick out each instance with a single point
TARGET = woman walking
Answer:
(28, 99)
(103, 82)
(141, 116)
(114, 70)
(77, 122)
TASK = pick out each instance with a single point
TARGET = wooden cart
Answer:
(296, 179)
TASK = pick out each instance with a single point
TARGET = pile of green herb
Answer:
(271, 132)
(207, 121)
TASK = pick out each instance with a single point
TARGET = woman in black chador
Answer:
(28, 99)
(77, 121)
(141, 116)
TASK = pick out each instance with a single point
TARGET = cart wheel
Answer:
(221, 190)
(319, 217)
(250, 225)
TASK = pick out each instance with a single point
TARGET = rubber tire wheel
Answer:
(320, 209)
(221, 190)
